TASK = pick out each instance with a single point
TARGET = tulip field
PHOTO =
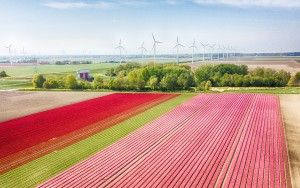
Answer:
(149, 140)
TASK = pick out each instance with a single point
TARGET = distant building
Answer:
(84, 74)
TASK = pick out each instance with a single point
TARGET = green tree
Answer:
(185, 80)
(3, 74)
(154, 82)
(204, 73)
(50, 83)
(201, 86)
(136, 79)
(292, 82)
(169, 82)
(98, 82)
(70, 82)
(38, 81)
(207, 85)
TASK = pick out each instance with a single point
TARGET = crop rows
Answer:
(43, 168)
(230, 140)
(25, 132)
(29, 154)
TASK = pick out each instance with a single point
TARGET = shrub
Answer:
(201, 86)
(70, 82)
(169, 82)
(154, 83)
(207, 85)
(293, 81)
(38, 81)
(136, 79)
(185, 80)
(98, 82)
(51, 83)
(82, 84)
(3, 74)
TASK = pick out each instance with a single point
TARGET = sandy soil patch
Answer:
(18, 103)
(290, 107)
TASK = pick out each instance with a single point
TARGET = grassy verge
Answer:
(47, 166)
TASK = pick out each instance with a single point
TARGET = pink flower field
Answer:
(212, 140)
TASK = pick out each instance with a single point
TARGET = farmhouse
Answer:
(84, 74)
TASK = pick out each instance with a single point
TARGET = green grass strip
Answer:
(43, 168)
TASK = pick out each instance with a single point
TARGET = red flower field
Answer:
(25, 132)
(229, 140)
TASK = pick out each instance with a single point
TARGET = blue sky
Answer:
(96, 26)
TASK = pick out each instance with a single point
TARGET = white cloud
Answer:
(77, 5)
(258, 3)
(174, 2)
(63, 4)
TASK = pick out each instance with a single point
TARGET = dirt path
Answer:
(290, 106)
(18, 103)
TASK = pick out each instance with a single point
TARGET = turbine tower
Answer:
(120, 47)
(177, 48)
(212, 48)
(155, 43)
(143, 50)
(9, 47)
(219, 51)
(204, 46)
(193, 47)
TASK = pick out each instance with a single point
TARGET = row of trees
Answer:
(170, 77)
(240, 76)
(68, 82)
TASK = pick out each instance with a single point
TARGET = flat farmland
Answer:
(229, 140)
(15, 104)
(290, 106)
(33, 165)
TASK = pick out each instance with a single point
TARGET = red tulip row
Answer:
(26, 132)
(229, 140)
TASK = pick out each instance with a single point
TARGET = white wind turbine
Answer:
(155, 43)
(120, 47)
(204, 47)
(219, 51)
(225, 52)
(143, 50)
(9, 47)
(193, 47)
(177, 48)
(212, 48)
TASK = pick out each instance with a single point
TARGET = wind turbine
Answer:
(211, 47)
(120, 47)
(204, 46)
(9, 47)
(143, 49)
(225, 52)
(155, 43)
(177, 48)
(193, 47)
(219, 51)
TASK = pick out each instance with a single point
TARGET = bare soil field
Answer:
(289, 65)
(18, 103)
(290, 107)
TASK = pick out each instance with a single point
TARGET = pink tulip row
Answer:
(230, 140)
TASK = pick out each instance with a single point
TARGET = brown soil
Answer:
(20, 103)
(290, 107)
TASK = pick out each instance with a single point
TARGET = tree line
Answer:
(173, 77)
